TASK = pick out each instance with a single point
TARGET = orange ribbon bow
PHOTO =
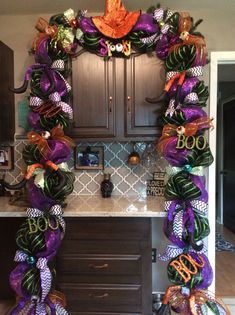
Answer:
(194, 301)
(189, 39)
(57, 133)
(44, 27)
(189, 129)
(40, 141)
(45, 31)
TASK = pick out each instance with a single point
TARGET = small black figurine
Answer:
(106, 186)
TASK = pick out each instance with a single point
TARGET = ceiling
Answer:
(15, 7)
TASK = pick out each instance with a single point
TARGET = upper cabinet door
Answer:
(93, 96)
(144, 78)
(7, 98)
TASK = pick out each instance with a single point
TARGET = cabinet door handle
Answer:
(128, 106)
(102, 296)
(110, 103)
(93, 266)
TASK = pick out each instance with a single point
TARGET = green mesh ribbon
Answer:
(59, 19)
(174, 22)
(200, 157)
(135, 38)
(180, 186)
(49, 123)
(177, 118)
(30, 243)
(31, 154)
(35, 84)
(181, 59)
(213, 307)
(92, 42)
(52, 181)
(202, 91)
(31, 281)
(202, 227)
(56, 53)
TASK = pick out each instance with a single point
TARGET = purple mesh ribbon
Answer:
(36, 197)
(146, 23)
(187, 87)
(87, 26)
(59, 152)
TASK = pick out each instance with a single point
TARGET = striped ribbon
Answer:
(45, 273)
(173, 251)
(36, 101)
(191, 72)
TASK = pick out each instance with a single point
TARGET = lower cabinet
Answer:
(104, 266)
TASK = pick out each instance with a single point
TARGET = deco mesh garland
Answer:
(173, 36)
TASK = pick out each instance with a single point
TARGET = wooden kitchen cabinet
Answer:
(93, 100)
(104, 266)
(7, 103)
(109, 96)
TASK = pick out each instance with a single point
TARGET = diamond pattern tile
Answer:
(127, 180)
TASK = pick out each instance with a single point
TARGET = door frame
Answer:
(220, 159)
(216, 58)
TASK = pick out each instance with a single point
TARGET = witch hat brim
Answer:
(117, 21)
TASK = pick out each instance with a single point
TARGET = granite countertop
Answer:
(96, 206)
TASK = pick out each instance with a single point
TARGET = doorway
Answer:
(222, 104)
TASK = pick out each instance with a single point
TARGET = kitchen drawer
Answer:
(100, 264)
(110, 228)
(93, 246)
(103, 298)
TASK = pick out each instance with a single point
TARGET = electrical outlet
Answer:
(154, 255)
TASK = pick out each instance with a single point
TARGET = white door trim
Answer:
(218, 57)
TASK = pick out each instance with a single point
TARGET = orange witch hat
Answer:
(117, 21)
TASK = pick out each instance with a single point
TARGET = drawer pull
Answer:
(103, 296)
(104, 266)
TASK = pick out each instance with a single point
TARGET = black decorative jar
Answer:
(106, 186)
(2, 188)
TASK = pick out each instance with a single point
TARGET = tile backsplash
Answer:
(127, 180)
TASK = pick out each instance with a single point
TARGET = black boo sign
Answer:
(190, 142)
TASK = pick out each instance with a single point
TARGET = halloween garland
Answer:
(118, 33)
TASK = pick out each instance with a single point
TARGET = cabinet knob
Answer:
(102, 296)
(128, 98)
(93, 266)
(110, 102)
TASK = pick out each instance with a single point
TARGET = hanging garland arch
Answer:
(174, 38)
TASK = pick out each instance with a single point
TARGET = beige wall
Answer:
(18, 31)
